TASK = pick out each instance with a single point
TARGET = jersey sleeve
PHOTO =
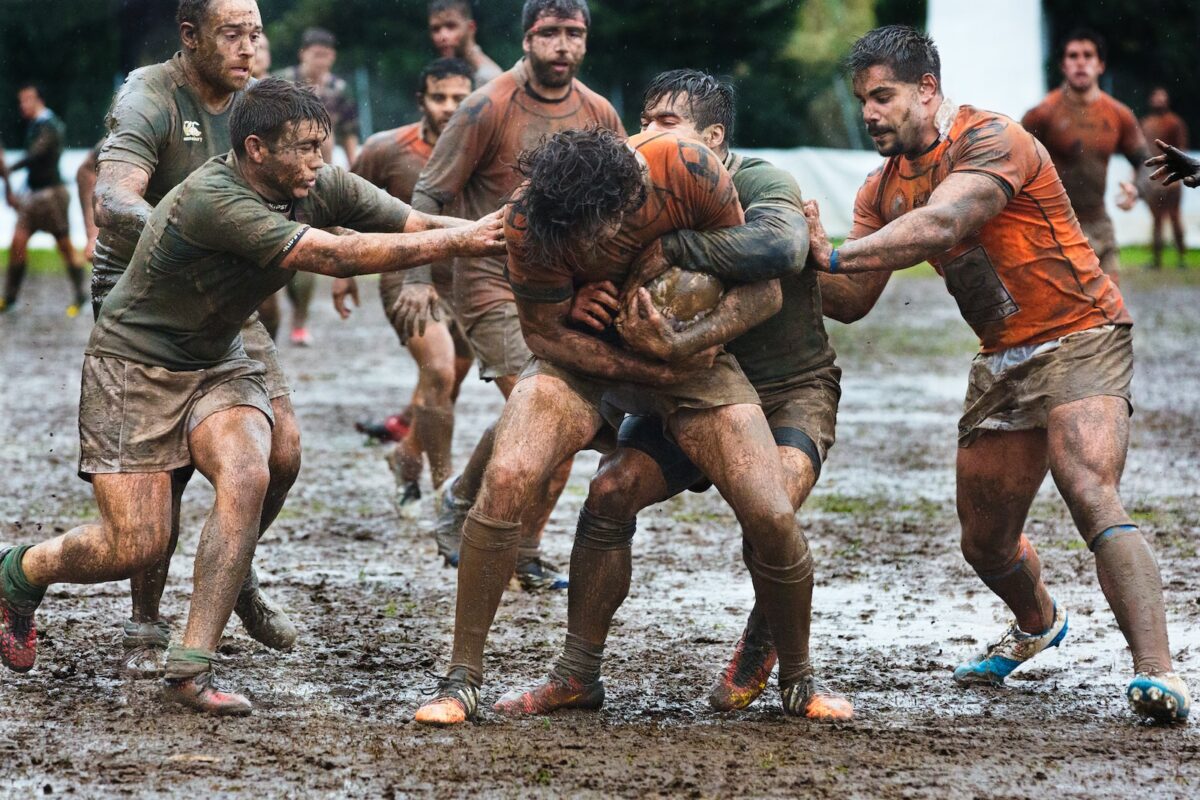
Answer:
(235, 222)
(358, 204)
(996, 147)
(699, 178)
(531, 284)
(867, 217)
(1132, 143)
(457, 153)
(138, 124)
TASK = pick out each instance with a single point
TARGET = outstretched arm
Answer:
(1174, 165)
(119, 198)
(772, 244)
(959, 207)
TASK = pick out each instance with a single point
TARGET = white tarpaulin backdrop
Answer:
(831, 177)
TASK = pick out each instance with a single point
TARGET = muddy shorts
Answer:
(498, 342)
(260, 347)
(802, 413)
(137, 418)
(1103, 239)
(390, 286)
(1015, 389)
(46, 210)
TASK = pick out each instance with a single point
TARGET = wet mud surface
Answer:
(896, 606)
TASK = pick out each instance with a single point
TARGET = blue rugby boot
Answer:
(1162, 698)
(1014, 649)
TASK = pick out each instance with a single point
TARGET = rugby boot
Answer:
(301, 337)
(203, 693)
(550, 695)
(408, 499)
(447, 529)
(455, 701)
(18, 630)
(145, 645)
(392, 429)
(1162, 698)
(809, 699)
(536, 574)
(1014, 649)
(264, 621)
(745, 676)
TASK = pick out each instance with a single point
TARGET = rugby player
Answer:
(1082, 127)
(471, 171)
(166, 121)
(45, 206)
(452, 31)
(166, 381)
(1164, 125)
(393, 160)
(975, 195)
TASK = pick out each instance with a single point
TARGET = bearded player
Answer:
(977, 196)
(1162, 124)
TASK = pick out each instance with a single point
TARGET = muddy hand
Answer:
(819, 248)
(1128, 196)
(485, 237)
(645, 330)
(595, 305)
(417, 303)
(646, 267)
(1174, 165)
(344, 289)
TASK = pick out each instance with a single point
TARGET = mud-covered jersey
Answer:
(209, 256)
(793, 342)
(158, 123)
(688, 189)
(1081, 138)
(1167, 126)
(43, 148)
(1028, 275)
(473, 167)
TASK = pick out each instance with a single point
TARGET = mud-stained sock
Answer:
(75, 275)
(187, 662)
(601, 564)
(435, 427)
(13, 281)
(784, 592)
(487, 558)
(580, 659)
(1018, 582)
(1131, 583)
(250, 585)
(23, 595)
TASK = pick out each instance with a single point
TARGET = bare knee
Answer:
(285, 446)
(771, 531)
(613, 492)
(506, 487)
(437, 383)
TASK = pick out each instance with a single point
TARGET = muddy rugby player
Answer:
(471, 172)
(1161, 124)
(452, 30)
(1082, 127)
(977, 196)
(393, 160)
(166, 381)
(165, 122)
(787, 358)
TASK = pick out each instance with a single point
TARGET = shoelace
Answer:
(20, 624)
(454, 688)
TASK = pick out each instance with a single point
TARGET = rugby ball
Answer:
(685, 297)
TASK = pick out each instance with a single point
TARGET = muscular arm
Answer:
(848, 298)
(961, 205)
(85, 182)
(119, 198)
(46, 141)
(772, 244)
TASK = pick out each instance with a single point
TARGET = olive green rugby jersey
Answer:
(210, 255)
(793, 341)
(157, 123)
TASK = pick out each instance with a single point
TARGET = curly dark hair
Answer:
(577, 182)
(909, 53)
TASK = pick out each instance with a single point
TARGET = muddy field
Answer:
(896, 606)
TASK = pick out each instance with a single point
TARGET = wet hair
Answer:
(1084, 35)
(578, 181)
(461, 6)
(267, 108)
(536, 9)
(909, 53)
(444, 68)
(192, 11)
(710, 101)
(317, 36)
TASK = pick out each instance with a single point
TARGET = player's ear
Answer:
(928, 87)
(714, 136)
(189, 34)
(256, 149)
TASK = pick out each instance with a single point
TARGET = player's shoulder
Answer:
(392, 140)
(1117, 107)
(158, 82)
(594, 98)
(757, 177)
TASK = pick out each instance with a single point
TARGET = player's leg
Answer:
(300, 292)
(433, 406)
(1158, 215)
(1176, 215)
(75, 273)
(1088, 441)
(269, 314)
(14, 278)
(544, 422)
(232, 449)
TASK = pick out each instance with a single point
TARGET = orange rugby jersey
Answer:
(688, 189)
(1028, 275)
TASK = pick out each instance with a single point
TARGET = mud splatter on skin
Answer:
(895, 606)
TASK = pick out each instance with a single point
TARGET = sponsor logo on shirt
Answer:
(191, 131)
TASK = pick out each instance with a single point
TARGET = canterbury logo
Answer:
(191, 131)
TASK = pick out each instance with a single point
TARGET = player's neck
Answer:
(1083, 96)
(549, 93)
(261, 187)
(214, 99)
(428, 134)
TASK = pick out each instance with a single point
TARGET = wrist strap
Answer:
(835, 261)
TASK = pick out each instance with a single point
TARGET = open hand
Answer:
(1174, 165)
(485, 237)
(819, 248)
(417, 303)
(595, 304)
(1128, 197)
(644, 329)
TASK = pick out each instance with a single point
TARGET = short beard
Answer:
(546, 77)
(210, 68)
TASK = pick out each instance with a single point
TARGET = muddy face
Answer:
(290, 166)
(673, 115)
(30, 103)
(896, 113)
(448, 30)
(225, 45)
(441, 99)
(555, 47)
(1160, 101)
(1081, 65)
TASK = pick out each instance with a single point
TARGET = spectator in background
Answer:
(262, 58)
(452, 29)
(1163, 125)
(44, 208)
(318, 52)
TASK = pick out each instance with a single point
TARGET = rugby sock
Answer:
(580, 659)
(75, 275)
(487, 558)
(22, 594)
(601, 564)
(785, 595)
(1132, 585)
(13, 281)
(1018, 582)
(187, 662)
(435, 427)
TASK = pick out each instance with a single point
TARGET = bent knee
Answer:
(613, 492)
